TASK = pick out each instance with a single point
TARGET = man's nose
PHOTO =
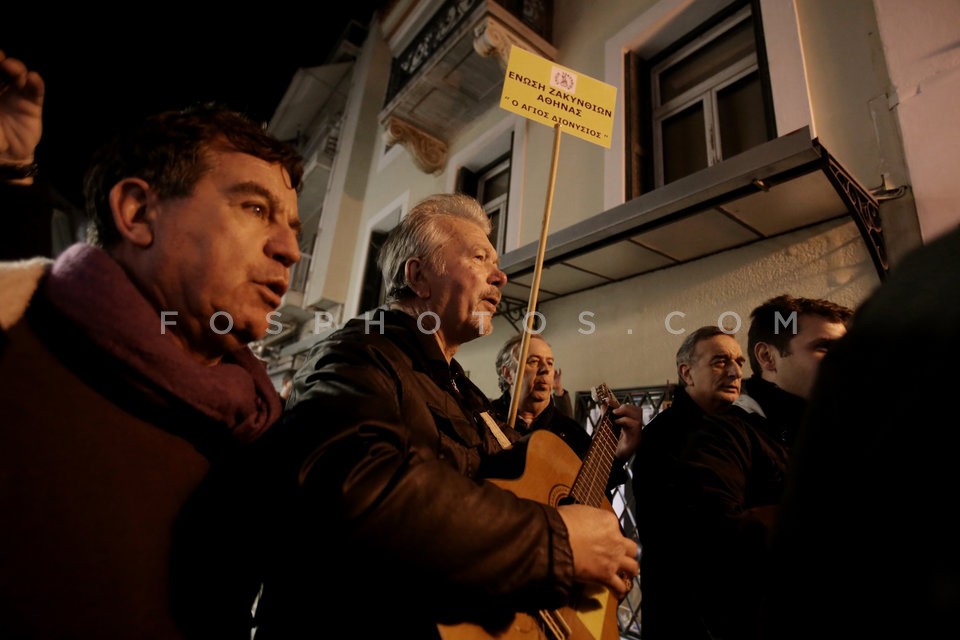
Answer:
(284, 246)
(498, 278)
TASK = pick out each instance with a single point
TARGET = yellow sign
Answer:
(541, 90)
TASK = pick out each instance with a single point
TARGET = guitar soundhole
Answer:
(560, 494)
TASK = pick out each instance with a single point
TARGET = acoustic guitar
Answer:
(553, 474)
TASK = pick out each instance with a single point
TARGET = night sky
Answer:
(99, 78)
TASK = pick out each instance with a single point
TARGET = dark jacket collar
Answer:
(783, 410)
(501, 407)
(425, 353)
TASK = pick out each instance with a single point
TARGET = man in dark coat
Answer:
(705, 482)
(127, 374)
(537, 408)
(377, 463)
(867, 541)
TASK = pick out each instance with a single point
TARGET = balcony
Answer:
(453, 69)
(786, 184)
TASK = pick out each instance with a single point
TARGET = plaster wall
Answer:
(344, 201)
(922, 51)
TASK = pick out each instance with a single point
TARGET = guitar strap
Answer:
(497, 431)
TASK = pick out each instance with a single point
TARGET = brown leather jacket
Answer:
(386, 525)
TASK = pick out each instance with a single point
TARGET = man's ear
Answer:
(133, 215)
(416, 278)
(684, 372)
(765, 356)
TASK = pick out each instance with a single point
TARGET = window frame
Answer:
(643, 151)
(372, 277)
(499, 204)
(382, 222)
(472, 183)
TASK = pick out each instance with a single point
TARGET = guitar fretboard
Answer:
(590, 485)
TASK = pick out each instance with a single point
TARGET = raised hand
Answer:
(21, 109)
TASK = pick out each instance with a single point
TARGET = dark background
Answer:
(102, 72)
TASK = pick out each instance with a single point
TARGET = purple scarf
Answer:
(91, 289)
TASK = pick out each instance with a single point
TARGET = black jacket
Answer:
(772, 409)
(568, 429)
(384, 522)
(706, 488)
(867, 540)
(26, 214)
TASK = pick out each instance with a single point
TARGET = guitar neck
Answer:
(590, 486)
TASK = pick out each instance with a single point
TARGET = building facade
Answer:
(759, 147)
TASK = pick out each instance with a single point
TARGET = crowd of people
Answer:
(711, 468)
(156, 484)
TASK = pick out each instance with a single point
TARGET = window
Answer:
(493, 187)
(698, 102)
(490, 185)
(373, 292)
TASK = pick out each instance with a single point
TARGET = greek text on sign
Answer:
(541, 90)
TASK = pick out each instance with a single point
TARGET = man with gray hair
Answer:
(675, 603)
(709, 484)
(379, 457)
(537, 408)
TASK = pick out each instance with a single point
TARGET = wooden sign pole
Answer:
(535, 287)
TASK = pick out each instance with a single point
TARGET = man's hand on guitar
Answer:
(601, 554)
(630, 420)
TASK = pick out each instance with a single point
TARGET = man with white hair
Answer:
(377, 465)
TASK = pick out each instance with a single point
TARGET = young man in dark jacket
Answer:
(787, 339)
(866, 542)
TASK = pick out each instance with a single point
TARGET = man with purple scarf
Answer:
(124, 363)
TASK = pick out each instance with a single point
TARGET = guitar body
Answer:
(550, 468)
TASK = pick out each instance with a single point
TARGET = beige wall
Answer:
(920, 44)
(853, 101)
(347, 190)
